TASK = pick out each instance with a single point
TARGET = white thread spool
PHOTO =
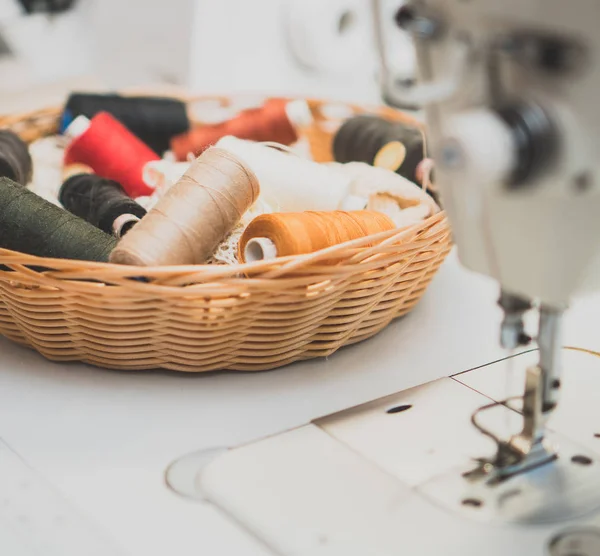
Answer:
(367, 180)
(77, 127)
(322, 34)
(299, 113)
(293, 184)
(162, 174)
(400, 199)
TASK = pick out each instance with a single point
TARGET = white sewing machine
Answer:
(510, 94)
(107, 471)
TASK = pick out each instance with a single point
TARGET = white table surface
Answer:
(104, 439)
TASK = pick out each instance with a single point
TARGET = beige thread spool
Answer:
(194, 216)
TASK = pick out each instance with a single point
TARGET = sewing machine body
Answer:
(517, 140)
(387, 476)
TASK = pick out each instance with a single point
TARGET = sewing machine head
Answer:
(510, 93)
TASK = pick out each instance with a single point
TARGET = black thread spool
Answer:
(363, 138)
(155, 120)
(32, 225)
(15, 160)
(101, 202)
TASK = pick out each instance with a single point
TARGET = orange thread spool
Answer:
(295, 233)
(268, 123)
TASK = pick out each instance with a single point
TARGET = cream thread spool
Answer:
(194, 216)
(293, 184)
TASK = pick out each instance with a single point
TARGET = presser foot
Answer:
(528, 480)
(543, 489)
(509, 463)
(525, 451)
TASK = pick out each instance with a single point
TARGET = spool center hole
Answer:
(254, 252)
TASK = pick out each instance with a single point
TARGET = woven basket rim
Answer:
(350, 253)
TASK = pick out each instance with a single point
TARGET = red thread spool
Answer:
(111, 150)
(268, 123)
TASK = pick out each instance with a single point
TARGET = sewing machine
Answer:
(408, 472)
(513, 123)
(509, 93)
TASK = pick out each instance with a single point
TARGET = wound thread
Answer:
(32, 225)
(289, 183)
(101, 202)
(112, 151)
(154, 120)
(305, 232)
(377, 141)
(194, 215)
(15, 160)
(268, 123)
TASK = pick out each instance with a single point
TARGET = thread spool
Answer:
(74, 169)
(279, 235)
(402, 200)
(366, 180)
(162, 174)
(15, 160)
(194, 216)
(379, 142)
(271, 122)
(321, 34)
(101, 202)
(32, 225)
(290, 183)
(111, 150)
(154, 120)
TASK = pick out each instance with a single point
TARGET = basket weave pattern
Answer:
(249, 317)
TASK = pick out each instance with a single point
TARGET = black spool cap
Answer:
(535, 136)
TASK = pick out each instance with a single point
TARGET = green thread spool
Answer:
(32, 225)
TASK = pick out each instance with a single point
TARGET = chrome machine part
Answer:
(523, 452)
(512, 329)
(425, 26)
(529, 449)
(553, 491)
(550, 344)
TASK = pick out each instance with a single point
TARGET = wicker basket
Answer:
(201, 318)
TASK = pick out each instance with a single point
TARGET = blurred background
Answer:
(321, 48)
